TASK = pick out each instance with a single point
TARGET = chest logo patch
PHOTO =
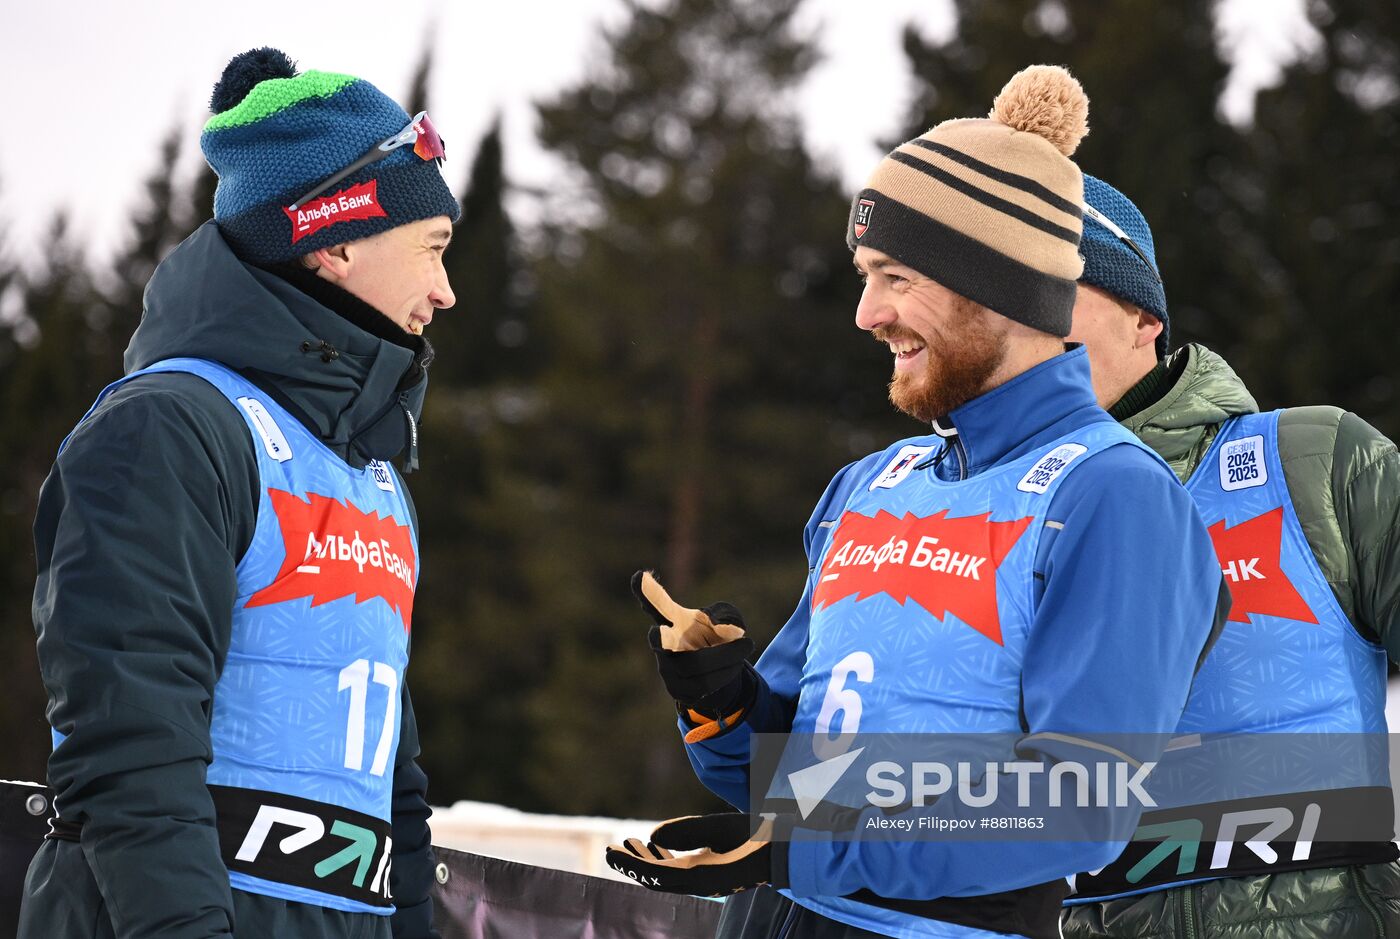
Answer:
(382, 475)
(1054, 463)
(1249, 559)
(272, 437)
(901, 466)
(1242, 464)
(945, 565)
(334, 550)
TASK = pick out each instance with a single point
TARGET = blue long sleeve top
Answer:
(1132, 594)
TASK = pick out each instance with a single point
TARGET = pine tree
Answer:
(473, 650)
(1327, 205)
(10, 303)
(160, 222)
(21, 719)
(417, 99)
(51, 379)
(486, 337)
(704, 378)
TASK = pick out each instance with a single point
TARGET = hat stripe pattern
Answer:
(1023, 183)
(990, 207)
(966, 265)
(986, 198)
(277, 94)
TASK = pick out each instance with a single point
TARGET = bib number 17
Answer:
(355, 678)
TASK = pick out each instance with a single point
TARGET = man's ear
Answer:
(1149, 328)
(332, 263)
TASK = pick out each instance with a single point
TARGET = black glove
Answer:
(729, 856)
(702, 655)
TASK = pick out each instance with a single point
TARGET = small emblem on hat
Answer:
(864, 209)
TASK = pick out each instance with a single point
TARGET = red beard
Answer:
(961, 359)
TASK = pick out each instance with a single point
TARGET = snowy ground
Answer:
(563, 842)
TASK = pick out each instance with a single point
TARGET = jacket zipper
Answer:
(1366, 902)
(786, 927)
(962, 457)
(1188, 912)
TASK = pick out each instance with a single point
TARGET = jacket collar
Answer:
(1182, 423)
(1030, 411)
(358, 392)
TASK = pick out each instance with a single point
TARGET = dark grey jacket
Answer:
(140, 525)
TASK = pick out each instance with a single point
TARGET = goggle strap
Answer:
(372, 157)
(1122, 236)
(409, 135)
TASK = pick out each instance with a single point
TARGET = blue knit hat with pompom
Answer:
(1111, 264)
(277, 134)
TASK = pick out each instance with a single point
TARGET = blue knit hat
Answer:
(276, 135)
(1110, 261)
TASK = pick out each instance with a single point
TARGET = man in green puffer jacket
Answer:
(1335, 487)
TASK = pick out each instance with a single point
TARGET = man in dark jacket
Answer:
(1303, 505)
(226, 561)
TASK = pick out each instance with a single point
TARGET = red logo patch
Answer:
(1249, 559)
(945, 565)
(357, 202)
(864, 209)
(335, 550)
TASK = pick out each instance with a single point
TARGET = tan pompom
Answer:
(1045, 100)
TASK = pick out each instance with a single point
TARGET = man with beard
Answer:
(1304, 507)
(1028, 569)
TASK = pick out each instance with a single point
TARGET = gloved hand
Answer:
(702, 655)
(729, 856)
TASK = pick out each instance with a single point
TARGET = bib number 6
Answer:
(845, 701)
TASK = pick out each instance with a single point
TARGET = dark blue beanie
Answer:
(276, 134)
(1111, 264)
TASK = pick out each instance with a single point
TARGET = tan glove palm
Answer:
(684, 629)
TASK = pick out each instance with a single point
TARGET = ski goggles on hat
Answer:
(1122, 236)
(420, 132)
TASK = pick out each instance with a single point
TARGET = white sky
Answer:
(89, 87)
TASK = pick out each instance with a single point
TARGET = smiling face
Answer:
(947, 349)
(399, 272)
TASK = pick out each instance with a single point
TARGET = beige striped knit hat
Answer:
(990, 207)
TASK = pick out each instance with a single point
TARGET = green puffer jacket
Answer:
(1344, 480)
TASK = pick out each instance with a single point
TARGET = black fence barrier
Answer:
(477, 897)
